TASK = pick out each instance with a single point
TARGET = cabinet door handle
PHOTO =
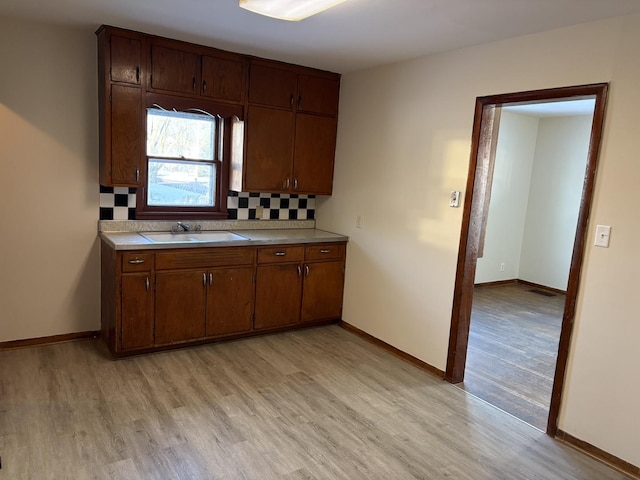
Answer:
(204, 86)
(291, 100)
(210, 279)
(295, 183)
(147, 284)
(299, 271)
(137, 174)
(325, 250)
(306, 270)
(287, 183)
(299, 101)
(137, 74)
(204, 279)
(280, 254)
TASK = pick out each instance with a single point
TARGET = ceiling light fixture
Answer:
(292, 10)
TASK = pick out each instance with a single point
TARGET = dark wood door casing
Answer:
(472, 219)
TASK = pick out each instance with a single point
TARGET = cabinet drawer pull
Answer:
(280, 254)
(325, 250)
(137, 261)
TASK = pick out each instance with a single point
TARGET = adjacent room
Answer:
(231, 241)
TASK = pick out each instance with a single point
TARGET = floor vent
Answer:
(542, 292)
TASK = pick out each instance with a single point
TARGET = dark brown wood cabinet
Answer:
(137, 329)
(323, 282)
(291, 128)
(120, 72)
(153, 299)
(174, 70)
(183, 68)
(287, 144)
(180, 306)
(230, 301)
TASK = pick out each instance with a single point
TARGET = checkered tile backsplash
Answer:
(119, 203)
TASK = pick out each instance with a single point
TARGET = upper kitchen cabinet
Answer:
(191, 70)
(290, 131)
(120, 73)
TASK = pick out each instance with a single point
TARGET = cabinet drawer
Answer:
(205, 257)
(331, 251)
(137, 262)
(280, 254)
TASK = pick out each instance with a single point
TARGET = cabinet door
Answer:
(229, 301)
(126, 134)
(137, 312)
(318, 95)
(125, 59)
(223, 79)
(322, 292)
(269, 149)
(278, 295)
(315, 143)
(180, 306)
(174, 70)
(272, 86)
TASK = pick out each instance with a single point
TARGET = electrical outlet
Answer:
(358, 221)
(502, 267)
(259, 212)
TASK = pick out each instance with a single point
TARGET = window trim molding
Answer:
(226, 111)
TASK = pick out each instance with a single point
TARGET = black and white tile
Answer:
(119, 203)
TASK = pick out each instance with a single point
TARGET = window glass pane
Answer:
(180, 134)
(181, 183)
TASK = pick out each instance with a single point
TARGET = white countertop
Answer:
(135, 241)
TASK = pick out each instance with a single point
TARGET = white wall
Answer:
(535, 199)
(554, 200)
(404, 142)
(49, 263)
(517, 137)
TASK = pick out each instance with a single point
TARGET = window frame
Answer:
(144, 211)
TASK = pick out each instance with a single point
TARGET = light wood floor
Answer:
(513, 346)
(314, 404)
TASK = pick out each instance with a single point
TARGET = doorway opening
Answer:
(475, 234)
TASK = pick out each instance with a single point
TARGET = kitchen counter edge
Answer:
(134, 241)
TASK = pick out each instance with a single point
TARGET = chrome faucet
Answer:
(185, 227)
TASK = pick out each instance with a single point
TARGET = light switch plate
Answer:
(603, 234)
(454, 199)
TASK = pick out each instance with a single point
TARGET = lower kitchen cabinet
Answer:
(278, 295)
(137, 311)
(322, 293)
(180, 306)
(153, 299)
(229, 301)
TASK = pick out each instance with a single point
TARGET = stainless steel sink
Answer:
(192, 237)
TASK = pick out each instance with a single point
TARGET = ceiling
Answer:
(352, 36)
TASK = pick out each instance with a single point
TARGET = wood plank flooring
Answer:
(319, 403)
(513, 345)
